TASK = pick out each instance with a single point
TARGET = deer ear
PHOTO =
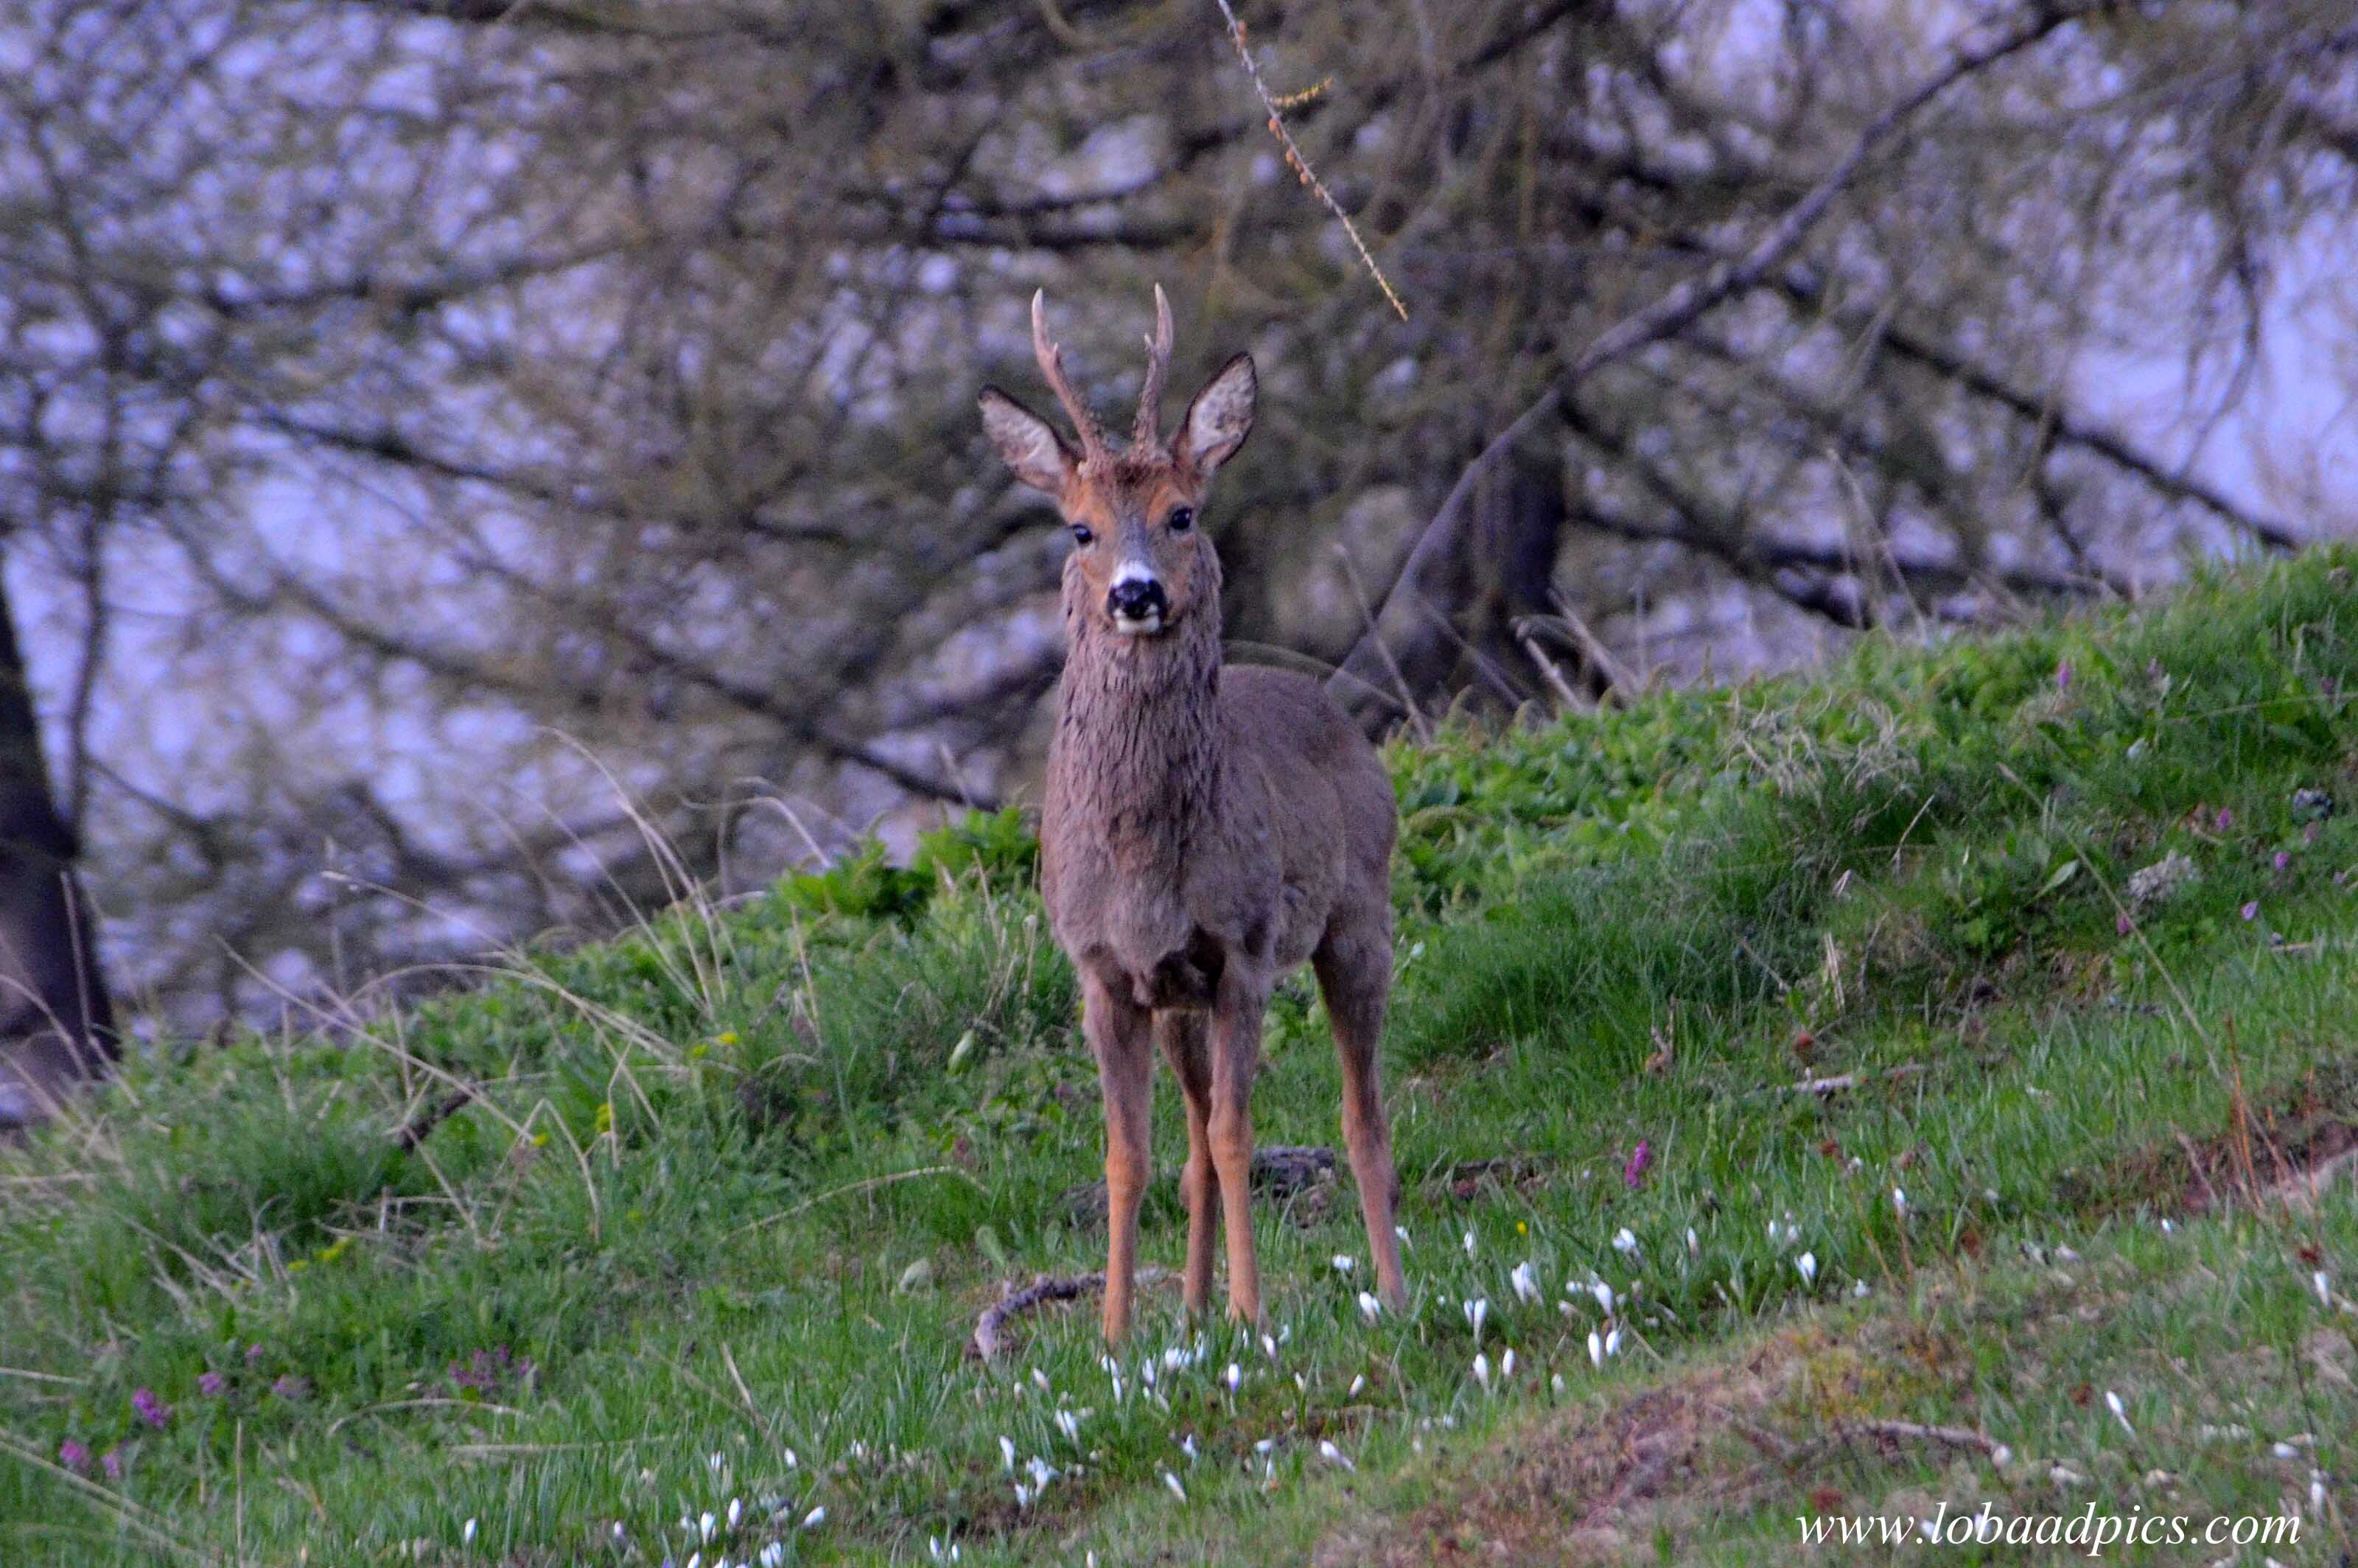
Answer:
(1029, 443)
(1219, 418)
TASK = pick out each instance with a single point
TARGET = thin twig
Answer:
(1618, 675)
(1552, 676)
(1406, 698)
(1299, 163)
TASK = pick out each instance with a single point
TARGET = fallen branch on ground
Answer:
(1843, 1082)
(1917, 1431)
(1042, 1290)
(419, 1128)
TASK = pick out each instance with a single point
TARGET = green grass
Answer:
(730, 1191)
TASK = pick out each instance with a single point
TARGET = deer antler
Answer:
(1052, 365)
(1147, 431)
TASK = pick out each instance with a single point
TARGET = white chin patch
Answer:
(1138, 626)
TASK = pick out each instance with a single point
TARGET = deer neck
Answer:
(1137, 753)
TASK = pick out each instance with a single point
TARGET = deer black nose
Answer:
(1135, 599)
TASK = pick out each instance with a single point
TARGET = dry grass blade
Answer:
(141, 1521)
(871, 1185)
(485, 1405)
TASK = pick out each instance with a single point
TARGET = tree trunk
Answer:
(1451, 634)
(57, 1024)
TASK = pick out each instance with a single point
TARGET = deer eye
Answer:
(1181, 519)
(1083, 536)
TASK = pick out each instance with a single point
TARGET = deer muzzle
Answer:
(1136, 603)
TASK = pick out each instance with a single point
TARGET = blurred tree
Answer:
(412, 409)
(57, 1022)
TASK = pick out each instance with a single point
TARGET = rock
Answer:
(2165, 879)
(1281, 1170)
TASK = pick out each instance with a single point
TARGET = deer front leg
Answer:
(1236, 1057)
(1187, 1047)
(1119, 1031)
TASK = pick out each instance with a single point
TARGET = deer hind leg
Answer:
(1120, 1032)
(1236, 1057)
(1353, 969)
(1186, 1044)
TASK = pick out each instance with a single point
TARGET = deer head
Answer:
(1141, 566)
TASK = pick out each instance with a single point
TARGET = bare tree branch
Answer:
(1687, 301)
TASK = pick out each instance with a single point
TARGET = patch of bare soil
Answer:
(2289, 1147)
(1594, 1488)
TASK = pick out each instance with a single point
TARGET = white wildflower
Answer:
(1806, 1265)
(1625, 1240)
(2120, 1413)
(1597, 1349)
(1482, 1370)
(1177, 1490)
(1370, 1308)
(1527, 1285)
(1344, 1262)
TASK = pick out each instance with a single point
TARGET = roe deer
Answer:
(1205, 830)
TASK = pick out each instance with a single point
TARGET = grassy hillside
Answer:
(697, 1222)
